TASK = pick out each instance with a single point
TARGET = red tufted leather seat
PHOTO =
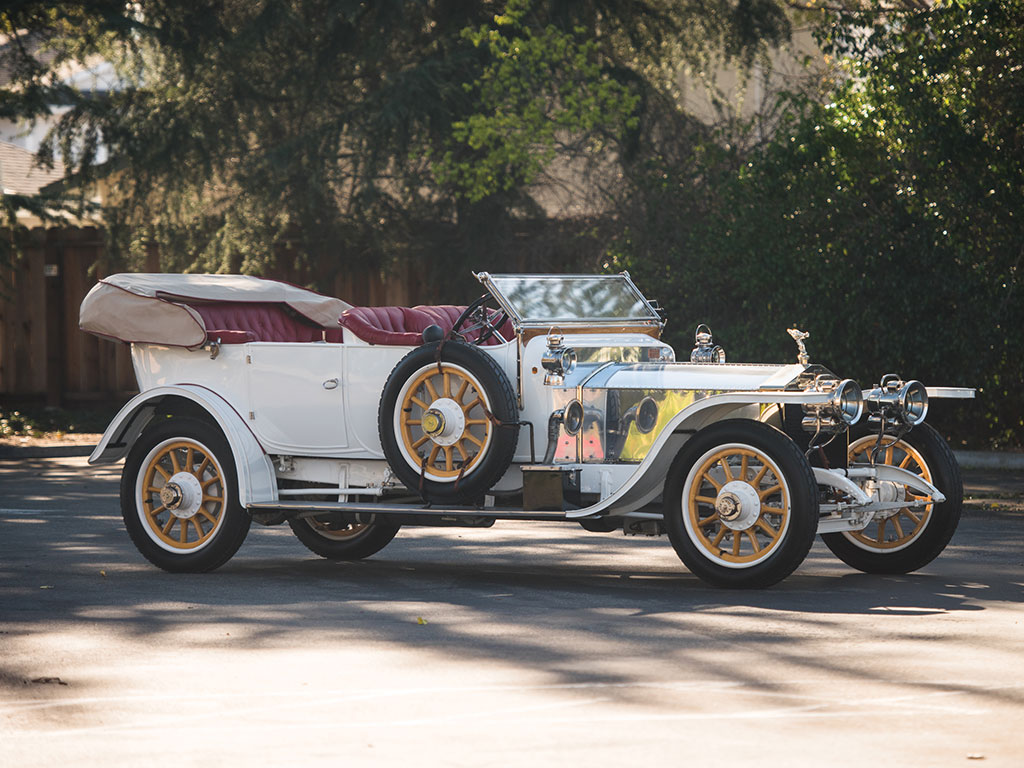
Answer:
(404, 326)
(236, 322)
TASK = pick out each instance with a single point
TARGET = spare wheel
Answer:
(448, 422)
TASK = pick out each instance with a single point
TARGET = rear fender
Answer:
(256, 478)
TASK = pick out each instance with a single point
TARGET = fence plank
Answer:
(83, 367)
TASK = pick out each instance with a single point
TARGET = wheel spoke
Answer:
(759, 476)
(207, 497)
(709, 520)
(462, 451)
(880, 538)
(198, 527)
(719, 536)
(207, 483)
(433, 454)
(764, 526)
(911, 515)
(744, 462)
(896, 524)
(207, 515)
(173, 453)
(448, 458)
(166, 530)
(420, 442)
(420, 403)
(725, 465)
(462, 391)
(888, 455)
(157, 511)
(162, 471)
(430, 390)
(472, 404)
(753, 540)
(446, 384)
(202, 467)
(474, 438)
(189, 458)
(183, 537)
(773, 510)
(705, 499)
(710, 479)
(768, 491)
(736, 541)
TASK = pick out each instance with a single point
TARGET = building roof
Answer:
(20, 173)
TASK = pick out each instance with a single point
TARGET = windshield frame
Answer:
(648, 316)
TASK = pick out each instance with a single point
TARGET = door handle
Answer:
(331, 384)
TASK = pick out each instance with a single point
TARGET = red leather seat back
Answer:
(404, 326)
(236, 322)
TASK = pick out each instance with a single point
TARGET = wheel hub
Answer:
(433, 422)
(182, 495)
(738, 505)
(444, 422)
(885, 491)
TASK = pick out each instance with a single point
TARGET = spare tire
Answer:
(448, 423)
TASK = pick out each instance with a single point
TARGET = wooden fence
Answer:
(45, 358)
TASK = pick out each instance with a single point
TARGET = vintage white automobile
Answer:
(550, 398)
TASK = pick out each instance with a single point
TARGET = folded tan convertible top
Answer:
(153, 307)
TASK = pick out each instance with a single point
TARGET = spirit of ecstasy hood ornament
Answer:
(798, 336)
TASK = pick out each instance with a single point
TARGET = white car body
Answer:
(303, 425)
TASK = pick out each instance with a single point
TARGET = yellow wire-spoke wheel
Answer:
(896, 529)
(334, 530)
(181, 494)
(443, 422)
(736, 505)
(338, 537)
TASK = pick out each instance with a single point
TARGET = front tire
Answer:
(907, 539)
(740, 505)
(335, 538)
(179, 494)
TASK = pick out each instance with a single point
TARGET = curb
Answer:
(44, 451)
(989, 460)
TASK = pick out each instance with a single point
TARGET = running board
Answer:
(313, 508)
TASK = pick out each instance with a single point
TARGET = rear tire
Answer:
(179, 494)
(336, 539)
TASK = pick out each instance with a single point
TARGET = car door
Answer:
(297, 397)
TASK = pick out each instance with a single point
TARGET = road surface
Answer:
(523, 644)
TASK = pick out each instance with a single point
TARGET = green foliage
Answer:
(539, 87)
(52, 422)
(339, 131)
(889, 222)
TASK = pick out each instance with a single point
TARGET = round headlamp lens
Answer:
(848, 401)
(913, 403)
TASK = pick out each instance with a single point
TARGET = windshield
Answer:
(570, 298)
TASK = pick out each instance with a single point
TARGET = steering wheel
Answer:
(485, 320)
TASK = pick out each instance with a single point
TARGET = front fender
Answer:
(256, 478)
(647, 481)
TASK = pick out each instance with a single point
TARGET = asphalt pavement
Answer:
(523, 644)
